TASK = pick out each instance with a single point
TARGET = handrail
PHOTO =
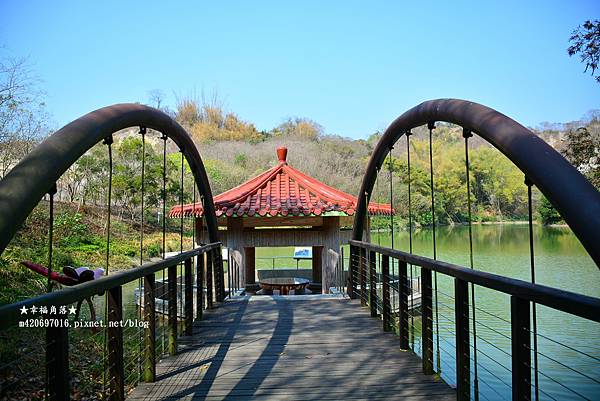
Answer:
(10, 314)
(396, 315)
(566, 301)
(280, 257)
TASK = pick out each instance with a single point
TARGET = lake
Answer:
(569, 347)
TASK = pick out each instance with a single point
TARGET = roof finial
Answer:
(282, 154)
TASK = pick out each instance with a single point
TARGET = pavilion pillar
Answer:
(331, 239)
(250, 257)
(317, 265)
(235, 242)
(199, 231)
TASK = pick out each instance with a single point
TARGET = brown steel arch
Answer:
(26, 184)
(574, 197)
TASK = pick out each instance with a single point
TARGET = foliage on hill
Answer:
(233, 153)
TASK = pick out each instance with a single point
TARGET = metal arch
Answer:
(26, 184)
(574, 197)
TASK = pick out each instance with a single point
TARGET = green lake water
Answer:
(566, 344)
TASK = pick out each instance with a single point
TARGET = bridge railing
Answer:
(372, 270)
(115, 354)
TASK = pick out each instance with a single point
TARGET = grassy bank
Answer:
(79, 240)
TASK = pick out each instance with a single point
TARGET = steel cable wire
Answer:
(467, 134)
(107, 141)
(529, 184)
(431, 127)
(410, 242)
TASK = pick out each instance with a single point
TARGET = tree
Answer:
(208, 121)
(548, 214)
(585, 41)
(583, 150)
(127, 175)
(300, 127)
(23, 119)
(156, 98)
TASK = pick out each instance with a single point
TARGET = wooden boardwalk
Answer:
(325, 349)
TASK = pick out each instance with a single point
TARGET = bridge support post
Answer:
(463, 361)
(403, 304)
(385, 292)
(172, 322)
(427, 320)
(200, 263)
(57, 362)
(521, 346)
(150, 331)
(209, 279)
(219, 275)
(373, 283)
(189, 297)
(363, 276)
(116, 372)
(353, 272)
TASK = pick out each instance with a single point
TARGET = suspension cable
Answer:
(391, 162)
(431, 127)
(51, 193)
(164, 228)
(194, 216)
(164, 197)
(181, 204)
(140, 295)
(181, 221)
(391, 171)
(108, 141)
(529, 184)
(377, 169)
(467, 134)
(143, 133)
(410, 243)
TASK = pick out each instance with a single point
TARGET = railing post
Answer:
(229, 276)
(116, 372)
(172, 291)
(188, 297)
(403, 304)
(209, 279)
(220, 274)
(200, 286)
(363, 276)
(385, 292)
(373, 283)
(427, 320)
(150, 331)
(521, 346)
(219, 253)
(236, 272)
(353, 272)
(463, 361)
(57, 362)
(231, 273)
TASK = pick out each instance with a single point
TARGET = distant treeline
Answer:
(498, 191)
(234, 150)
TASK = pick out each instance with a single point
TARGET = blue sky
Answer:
(351, 66)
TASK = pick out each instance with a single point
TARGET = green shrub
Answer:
(153, 250)
(548, 214)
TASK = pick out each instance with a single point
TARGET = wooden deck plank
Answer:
(296, 350)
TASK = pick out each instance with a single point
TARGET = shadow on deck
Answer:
(325, 349)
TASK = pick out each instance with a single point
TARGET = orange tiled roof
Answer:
(281, 191)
